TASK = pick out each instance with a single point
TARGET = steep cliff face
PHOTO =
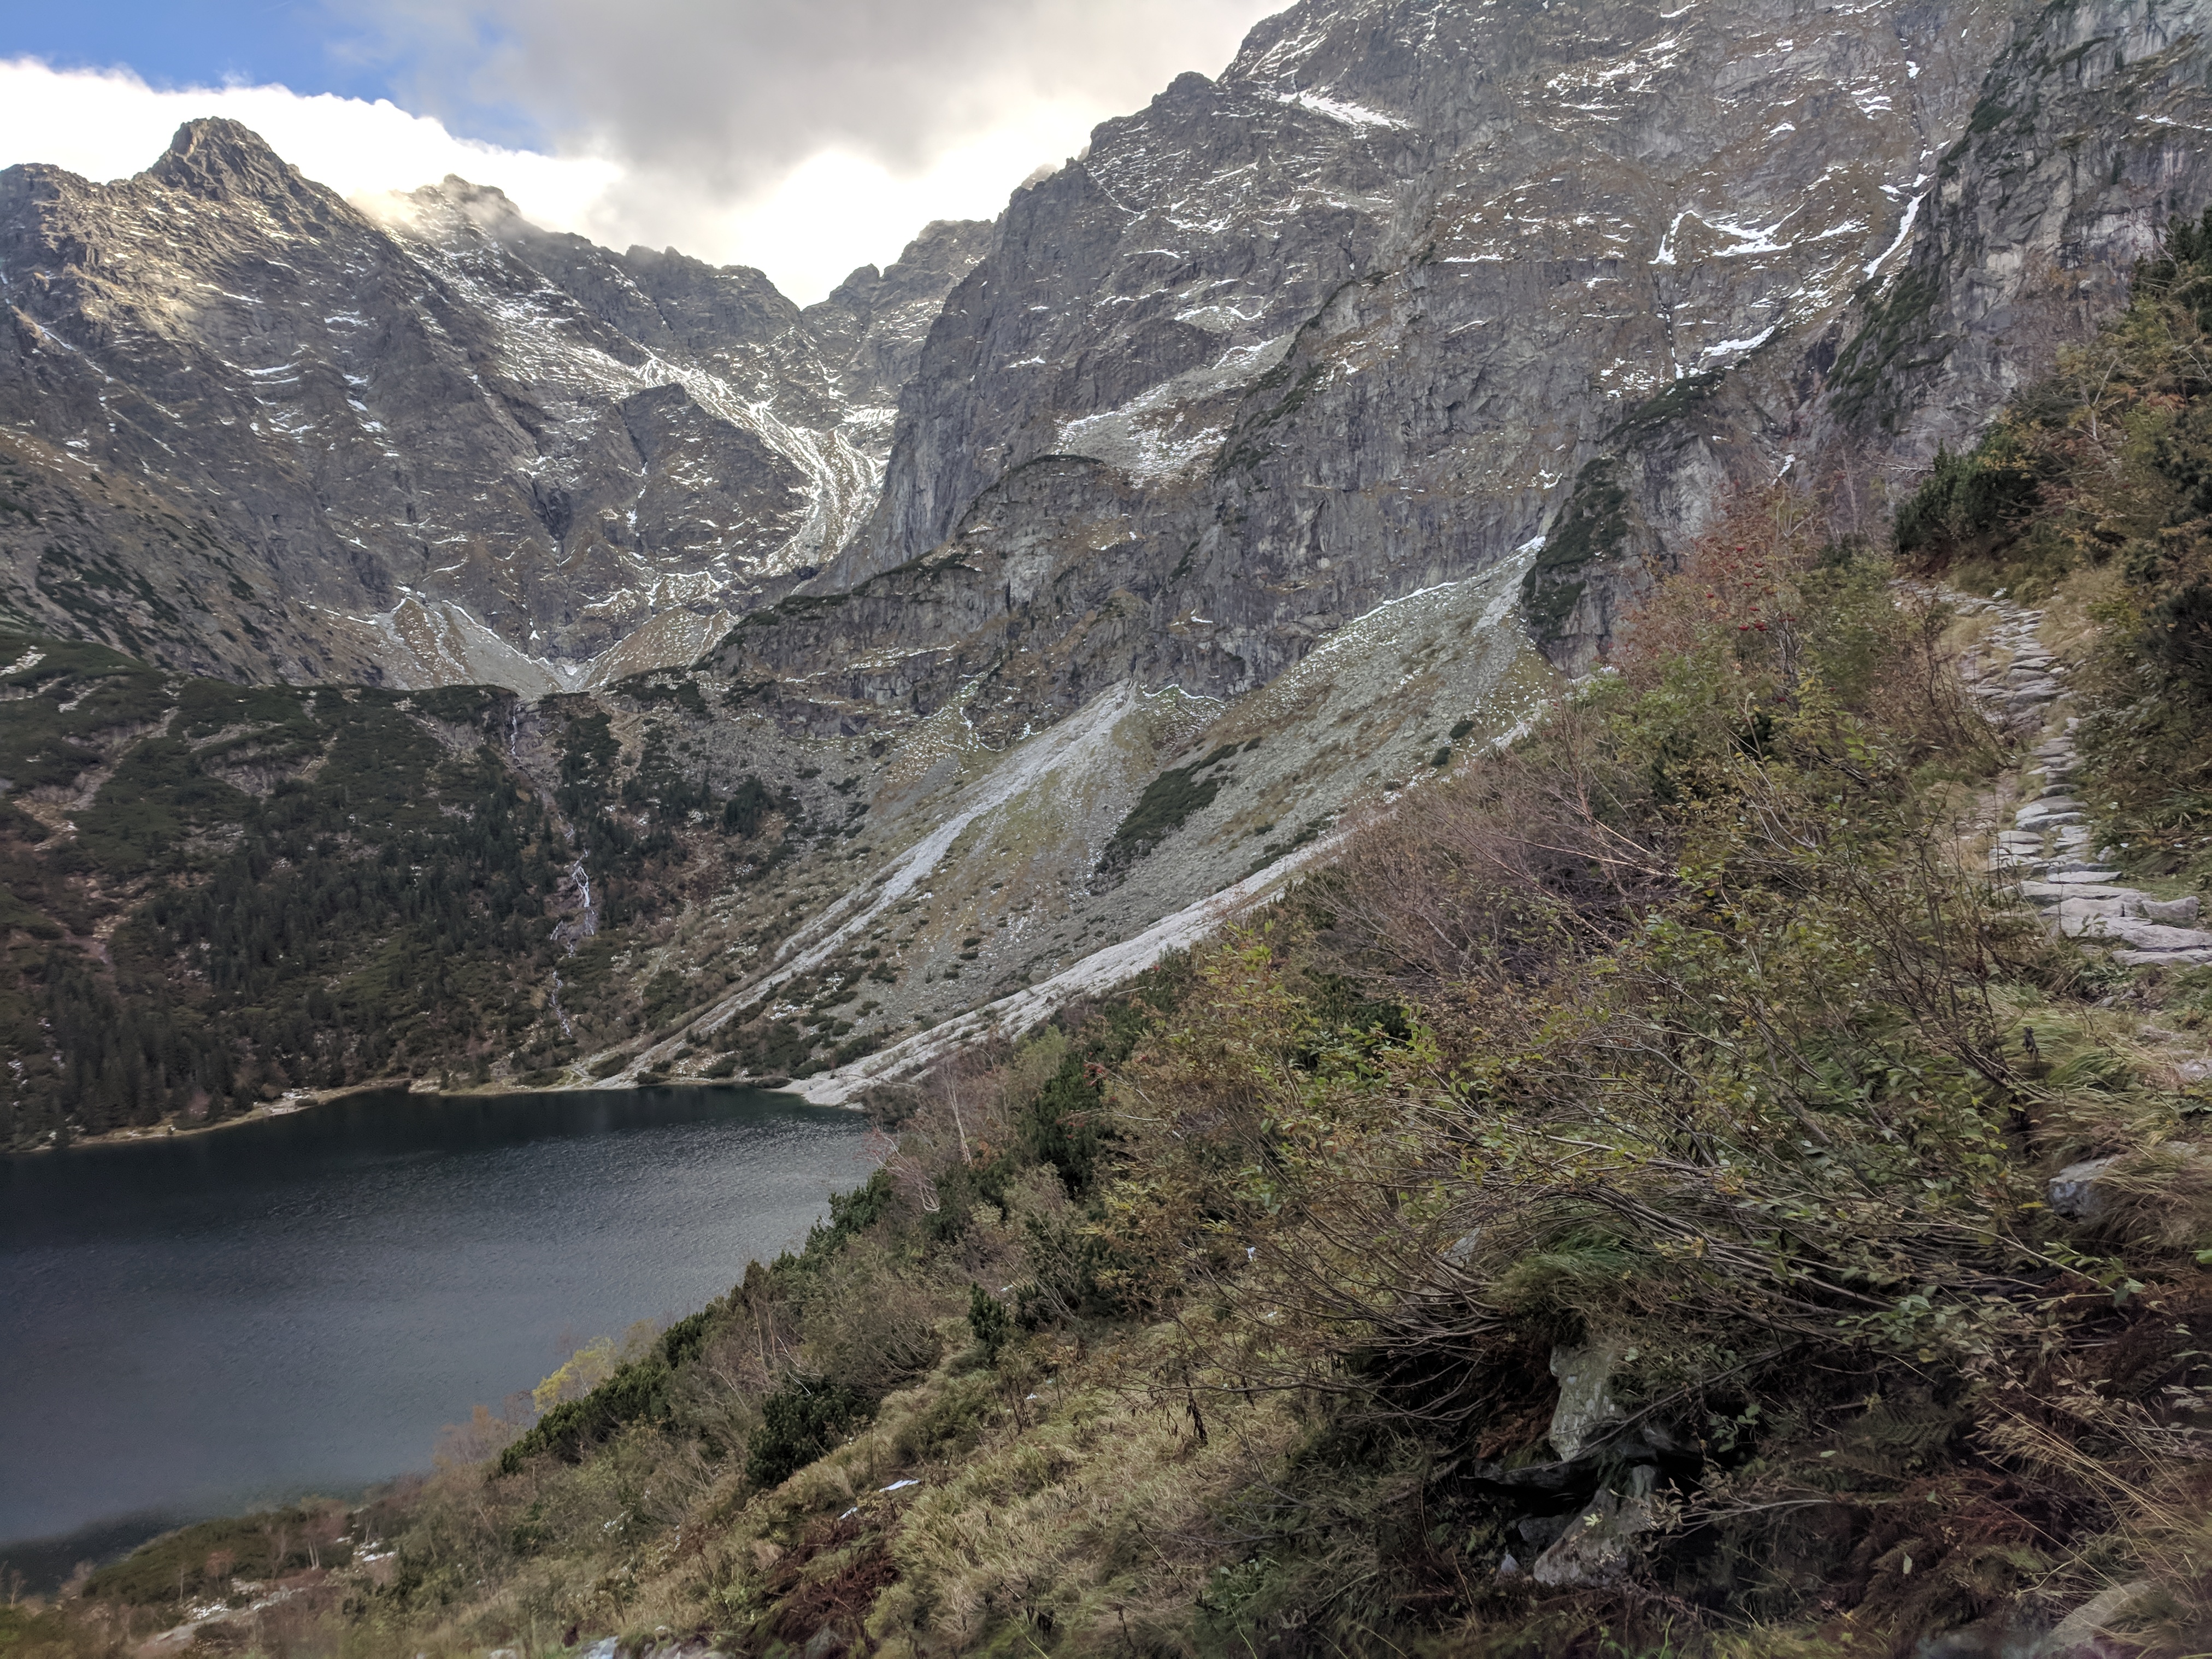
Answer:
(2085, 135)
(1413, 287)
(836, 366)
(2090, 130)
(439, 445)
(1348, 321)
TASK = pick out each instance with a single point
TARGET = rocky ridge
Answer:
(1407, 290)
(251, 428)
(2016, 233)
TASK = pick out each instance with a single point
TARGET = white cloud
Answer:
(108, 124)
(831, 213)
(733, 93)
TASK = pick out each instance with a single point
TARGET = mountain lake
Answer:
(195, 1325)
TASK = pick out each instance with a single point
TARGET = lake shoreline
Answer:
(290, 1104)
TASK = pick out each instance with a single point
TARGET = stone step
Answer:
(2044, 894)
(2136, 934)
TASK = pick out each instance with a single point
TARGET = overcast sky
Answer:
(805, 136)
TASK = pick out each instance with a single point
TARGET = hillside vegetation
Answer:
(1609, 1211)
(211, 894)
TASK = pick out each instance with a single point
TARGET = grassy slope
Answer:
(1225, 1318)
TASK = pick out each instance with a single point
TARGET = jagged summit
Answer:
(222, 160)
(489, 205)
(426, 444)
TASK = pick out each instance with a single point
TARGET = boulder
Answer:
(2084, 1633)
(2098, 915)
(1586, 1403)
(2073, 1193)
(2149, 935)
(2172, 1179)
(1596, 1547)
(2172, 912)
(2044, 893)
(2084, 919)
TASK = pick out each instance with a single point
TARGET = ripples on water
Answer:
(195, 1325)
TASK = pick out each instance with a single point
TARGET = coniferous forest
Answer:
(216, 894)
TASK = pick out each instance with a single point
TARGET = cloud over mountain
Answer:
(804, 139)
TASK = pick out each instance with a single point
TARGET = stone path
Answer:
(2045, 851)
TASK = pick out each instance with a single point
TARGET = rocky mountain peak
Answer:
(224, 161)
(943, 247)
(431, 444)
(487, 206)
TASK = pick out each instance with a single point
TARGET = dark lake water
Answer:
(196, 1325)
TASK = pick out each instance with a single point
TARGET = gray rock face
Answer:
(440, 446)
(2018, 227)
(1586, 1407)
(2088, 131)
(1407, 288)
(2073, 1191)
(2087, 1632)
(1598, 1545)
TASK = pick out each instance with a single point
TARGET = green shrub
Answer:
(1969, 501)
(799, 1421)
(747, 808)
(1065, 1124)
(1168, 800)
(990, 1321)
(639, 1391)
